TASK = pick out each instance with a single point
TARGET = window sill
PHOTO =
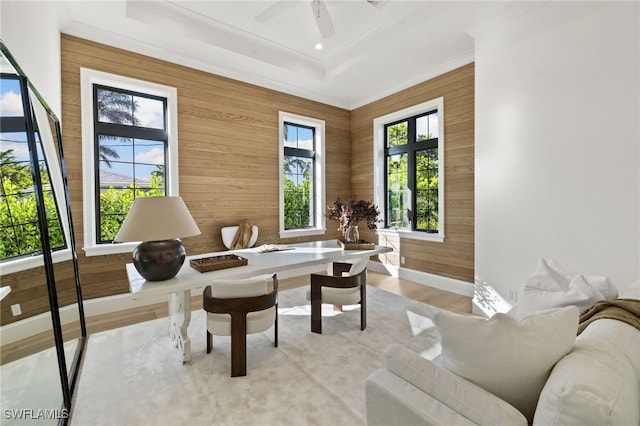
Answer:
(411, 235)
(302, 232)
(105, 249)
(31, 262)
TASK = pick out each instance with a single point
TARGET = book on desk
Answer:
(270, 248)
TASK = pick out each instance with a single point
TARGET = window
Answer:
(409, 146)
(129, 151)
(20, 246)
(302, 181)
(130, 140)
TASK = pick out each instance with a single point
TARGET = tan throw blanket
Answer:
(242, 237)
(625, 310)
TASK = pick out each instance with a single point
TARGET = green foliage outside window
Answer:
(18, 210)
(298, 176)
(116, 203)
(397, 134)
(399, 194)
(427, 190)
(297, 196)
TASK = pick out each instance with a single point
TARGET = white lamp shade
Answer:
(157, 219)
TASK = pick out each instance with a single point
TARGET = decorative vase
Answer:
(352, 235)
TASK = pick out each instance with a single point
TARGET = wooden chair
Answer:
(239, 307)
(347, 286)
(229, 233)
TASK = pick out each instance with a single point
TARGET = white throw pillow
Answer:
(508, 357)
(599, 283)
(554, 287)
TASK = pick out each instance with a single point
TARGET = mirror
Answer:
(64, 271)
(43, 329)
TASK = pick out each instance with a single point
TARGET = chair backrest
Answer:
(226, 289)
(223, 299)
(357, 267)
(229, 232)
(239, 307)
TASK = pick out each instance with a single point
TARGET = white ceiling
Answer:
(375, 50)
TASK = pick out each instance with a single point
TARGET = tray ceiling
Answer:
(375, 50)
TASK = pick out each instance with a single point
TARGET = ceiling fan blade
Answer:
(321, 14)
(273, 10)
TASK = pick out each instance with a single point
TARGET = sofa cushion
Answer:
(391, 400)
(508, 357)
(632, 292)
(552, 286)
(463, 397)
(597, 383)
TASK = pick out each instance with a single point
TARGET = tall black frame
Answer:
(68, 372)
(411, 148)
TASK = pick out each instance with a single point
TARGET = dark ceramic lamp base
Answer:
(159, 260)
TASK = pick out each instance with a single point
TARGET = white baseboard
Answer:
(436, 281)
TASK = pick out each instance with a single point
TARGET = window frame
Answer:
(319, 178)
(380, 176)
(124, 131)
(89, 78)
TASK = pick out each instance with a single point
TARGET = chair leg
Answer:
(316, 308)
(363, 306)
(238, 345)
(275, 332)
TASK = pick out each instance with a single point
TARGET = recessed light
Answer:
(318, 46)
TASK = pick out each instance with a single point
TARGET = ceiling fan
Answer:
(318, 8)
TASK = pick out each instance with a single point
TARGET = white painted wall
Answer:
(558, 143)
(31, 31)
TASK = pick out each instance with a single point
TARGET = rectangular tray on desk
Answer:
(213, 263)
(360, 245)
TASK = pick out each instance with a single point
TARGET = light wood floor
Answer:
(432, 296)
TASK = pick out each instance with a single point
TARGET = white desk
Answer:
(303, 255)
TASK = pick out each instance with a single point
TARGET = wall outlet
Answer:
(402, 260)
(15, 310)
(513, 295)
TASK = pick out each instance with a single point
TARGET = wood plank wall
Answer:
(455, 257)
(228, 160)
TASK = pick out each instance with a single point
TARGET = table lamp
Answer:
(158, 222)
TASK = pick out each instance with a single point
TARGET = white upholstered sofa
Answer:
(596, 383)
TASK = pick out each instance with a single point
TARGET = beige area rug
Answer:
(134, 376)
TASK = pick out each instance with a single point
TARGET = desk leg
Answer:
(179, 319)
